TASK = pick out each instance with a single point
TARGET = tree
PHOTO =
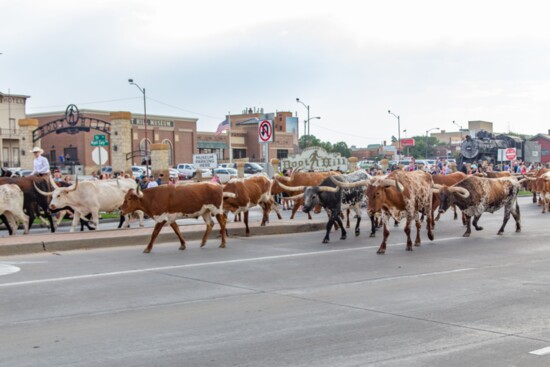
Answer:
(342, 148)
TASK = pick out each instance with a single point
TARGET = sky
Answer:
(429, 62)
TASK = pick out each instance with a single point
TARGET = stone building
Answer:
(12, 109)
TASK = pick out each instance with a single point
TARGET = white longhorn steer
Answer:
(91, 197)
(11, 206)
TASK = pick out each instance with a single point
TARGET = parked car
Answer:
(225, 174)
(138, 171)
(251, 168)
(107, 169)
(17, 171)
(174, 173)
(189, 170)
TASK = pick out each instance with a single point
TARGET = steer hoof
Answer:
(467, 234)
(222, 245)
(343, 237)
(182, 247)
(372, 235)
(326, 240)
(146, 251)
(357, 234)
(500, 233)
(202, 244)
(479, 228)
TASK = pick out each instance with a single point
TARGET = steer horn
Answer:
(460, 191)
(387, 182)
(231, 195)
(282, 178)
(139, 193)
(296, 197)
(329, 189)
(348, 185)
(42, 192)
(292, 188)
(74, 186)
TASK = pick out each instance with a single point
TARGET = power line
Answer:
(341, 133)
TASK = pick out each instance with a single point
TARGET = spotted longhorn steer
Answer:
(477, 195)
(11, 206)
(91, 197)
(249, 192)
(447, 180)
(167, 203)
(333, 199)
(402, 193)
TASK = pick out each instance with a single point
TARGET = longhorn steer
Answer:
(333, 199)
(11, 206)
(33, 201)
(298, 179)
(247, 193)
(167, 203)
(477, 195)
(400, 193)
(91, 197)
(447, 180)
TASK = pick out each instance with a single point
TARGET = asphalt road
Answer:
(287, 300)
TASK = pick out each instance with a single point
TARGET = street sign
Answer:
(99, 141)
(265, 132)
(100, 155)
(510, 154)
(209, 161)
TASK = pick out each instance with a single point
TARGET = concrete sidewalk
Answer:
(51, 242)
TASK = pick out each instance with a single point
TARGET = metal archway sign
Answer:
(72, 123)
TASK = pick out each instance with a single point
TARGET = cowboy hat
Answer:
(37, 149)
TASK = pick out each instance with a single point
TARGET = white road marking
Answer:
(541, 352)
(213, 263)
(6, 269)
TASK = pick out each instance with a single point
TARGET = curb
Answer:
(140, 237)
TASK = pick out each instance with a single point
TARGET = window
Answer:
(239, 153)
(170, 152)
(282, 153)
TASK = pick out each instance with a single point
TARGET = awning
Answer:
(212, 145)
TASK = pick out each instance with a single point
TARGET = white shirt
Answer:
(41, 165)
(152, 184)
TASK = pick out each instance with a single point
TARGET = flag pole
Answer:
(229, 131)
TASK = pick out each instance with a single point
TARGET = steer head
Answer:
(60, 196)
(448, 195)
(132, 201)
(320, 195)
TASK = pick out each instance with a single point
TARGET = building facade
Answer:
(12, 109)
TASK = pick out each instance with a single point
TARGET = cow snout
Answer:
(306, 210)
(52, 207)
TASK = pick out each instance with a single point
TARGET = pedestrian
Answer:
(41, 166)
(159, 179)
(152, 182)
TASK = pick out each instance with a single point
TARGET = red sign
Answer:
(407, 142)
(265, 132)
(510, 154)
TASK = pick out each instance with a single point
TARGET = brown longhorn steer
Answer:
(447, 180)
(249, 192)
(167, 203)
(477, 195)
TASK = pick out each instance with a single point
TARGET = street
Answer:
(288, 300)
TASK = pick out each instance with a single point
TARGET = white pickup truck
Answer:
(189, 171)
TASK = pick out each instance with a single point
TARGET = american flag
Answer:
(223, 126)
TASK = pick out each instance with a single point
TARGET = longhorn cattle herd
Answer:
(400, 195)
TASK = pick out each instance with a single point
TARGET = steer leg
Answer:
(156, 231)
(331, 219)
(517, 216)
(418, 223)
(177, 231)
(372, 225)
(348, 225)
(266, 207)
(208, 221)
(467, 218)
(343, 235)
(408, 232)
(247, 233)
(222, 222)
(386, 233)
(476, 219)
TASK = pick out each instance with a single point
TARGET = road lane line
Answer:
(172, 267)
(541, 352)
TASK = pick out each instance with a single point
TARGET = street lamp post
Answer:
(460, 129)
(427, 131)
(398, 133)
(142, 90)
(307, 107)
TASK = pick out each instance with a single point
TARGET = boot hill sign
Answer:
(316, 159)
